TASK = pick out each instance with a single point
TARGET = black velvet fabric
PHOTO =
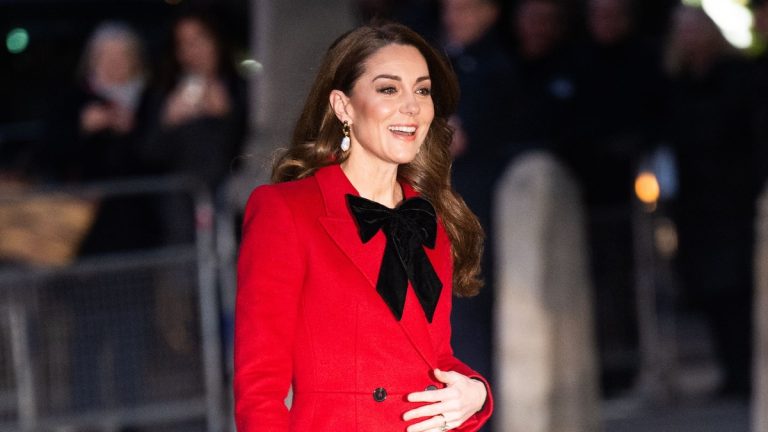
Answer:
(408, 227)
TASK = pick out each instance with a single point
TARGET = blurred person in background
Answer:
(709, 127)
(198, 113)
(620, 95)
(196, 129)
(92, 136)
(475, 47)
(544, 77)
(102, 142)
(91, 132)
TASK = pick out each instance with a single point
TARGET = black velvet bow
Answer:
(408, 227)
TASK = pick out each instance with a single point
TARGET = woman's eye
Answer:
(424, 91)
(387, 90)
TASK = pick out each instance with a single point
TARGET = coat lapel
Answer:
(340, 226)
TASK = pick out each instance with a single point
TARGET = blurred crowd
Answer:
(580, 79)
(124, 117)
(607, 94)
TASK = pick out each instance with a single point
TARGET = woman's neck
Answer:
(376, 183)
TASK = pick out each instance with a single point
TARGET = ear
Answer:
(341, 106)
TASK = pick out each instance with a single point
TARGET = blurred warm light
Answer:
(734, 19)
(647, 188)
(17, 40)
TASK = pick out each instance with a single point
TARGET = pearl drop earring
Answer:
(345, 141)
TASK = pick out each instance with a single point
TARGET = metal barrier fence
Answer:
(119, 341)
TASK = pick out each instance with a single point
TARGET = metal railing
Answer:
(118, 340)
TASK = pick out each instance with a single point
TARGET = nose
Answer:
(410, 106)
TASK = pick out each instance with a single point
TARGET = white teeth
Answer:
(406, 129)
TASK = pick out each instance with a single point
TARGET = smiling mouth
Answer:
(403, 130)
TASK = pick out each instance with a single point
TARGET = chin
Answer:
(405, 157)
(402, 160)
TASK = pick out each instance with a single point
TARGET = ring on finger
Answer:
(444, 426)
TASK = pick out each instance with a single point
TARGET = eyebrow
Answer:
(397, 78)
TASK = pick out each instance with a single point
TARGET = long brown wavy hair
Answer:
(318, 132)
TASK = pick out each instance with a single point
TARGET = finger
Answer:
(430, 395)
(447, 377)
(431, 424)
(425, 411)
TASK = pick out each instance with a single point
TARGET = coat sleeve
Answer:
(448, 362)
(270, 271)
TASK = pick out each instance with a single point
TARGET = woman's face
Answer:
(609, 20)
(390, 106)
(114, 62)
(195, 48)
(539, 27)
(466, 21)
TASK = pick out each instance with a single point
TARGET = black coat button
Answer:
(380, 394)
(430, 387)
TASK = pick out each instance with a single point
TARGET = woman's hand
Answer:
(216, 100)
(95, 117)
(193, 100)
(450, 407)
(180, 108)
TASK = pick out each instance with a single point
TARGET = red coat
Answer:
(308, 314)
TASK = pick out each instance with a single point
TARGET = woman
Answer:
(94, 128)
(93, 124)
(345, 275)
(198, 117)
(200, 109)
